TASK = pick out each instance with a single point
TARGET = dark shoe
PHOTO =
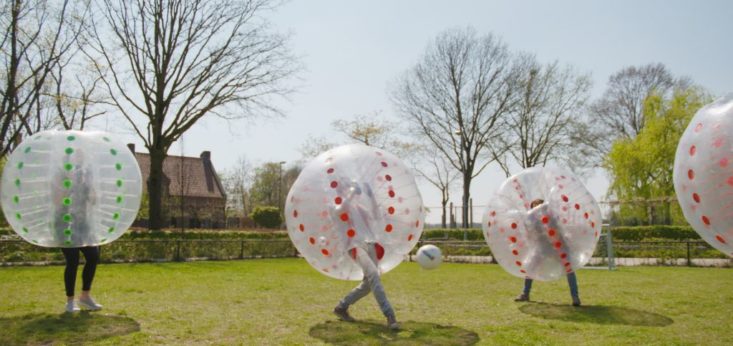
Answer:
(343, 314)
(392, 323)
(576, 301)
(522, 298)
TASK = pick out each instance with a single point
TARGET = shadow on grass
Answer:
(596, 314)
(78, 328)
(371, 332)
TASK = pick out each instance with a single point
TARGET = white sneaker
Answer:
(72, 307)
(89, 304)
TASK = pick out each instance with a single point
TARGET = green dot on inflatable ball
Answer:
(16, 199)
(67, 242)
(111, 230)
(67, 231)
(68, 166)
(67, 183)
(118, 166)
(67, 217)
(106, 139)
(113, 152)
(69, 151)
(119, 199)
(25, 230)
(17, 182)
(116, 216)
(20, 165)
(70, 138)
(27, 150)
(18, 216)
(119, 182)
(67, 201)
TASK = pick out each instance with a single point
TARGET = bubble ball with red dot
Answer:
(549, 240)
(703, 173)
(348, 197)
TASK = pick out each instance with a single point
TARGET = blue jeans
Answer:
(572, 283)
(371, 283)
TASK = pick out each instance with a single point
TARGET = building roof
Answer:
(187, 176)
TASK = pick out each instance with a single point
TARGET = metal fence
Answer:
(142, 250)
(607, 252)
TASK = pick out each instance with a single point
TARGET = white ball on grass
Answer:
(429, 256)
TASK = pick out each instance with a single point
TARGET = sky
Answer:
(353, 52)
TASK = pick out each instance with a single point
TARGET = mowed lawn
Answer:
(285, 301)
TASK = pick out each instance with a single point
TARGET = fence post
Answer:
(689, 261)
(241, 249)
(178, 250)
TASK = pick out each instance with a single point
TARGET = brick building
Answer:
(193, 196)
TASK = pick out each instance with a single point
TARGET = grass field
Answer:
(284, 301)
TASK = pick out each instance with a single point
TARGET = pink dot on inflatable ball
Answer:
(696, 197)
(720, 239)
(706, 220)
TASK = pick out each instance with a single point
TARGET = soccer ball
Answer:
(429, 256)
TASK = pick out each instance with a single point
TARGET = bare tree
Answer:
(35, 35)
(368, 129)
(438, 171)
(238, 182)
(541, 127)
(456, 97)
(314, 146)
(180, 60)
(78, 101)
(619, 111)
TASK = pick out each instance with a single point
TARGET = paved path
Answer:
(601, 261)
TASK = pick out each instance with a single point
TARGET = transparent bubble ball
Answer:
(556, 237)
(71, 188)
(347, 198)
(703, 173)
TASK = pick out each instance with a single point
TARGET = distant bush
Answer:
(268, 217)
(657, 232)
(203, 234)
(621, 233)
(452, 234)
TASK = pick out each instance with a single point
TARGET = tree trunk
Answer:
(443, 203)
(155, 188)
(466, 197)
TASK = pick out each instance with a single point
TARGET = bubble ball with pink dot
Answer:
(542, 224)
(348, 197)
(71, 189)
(703, 173)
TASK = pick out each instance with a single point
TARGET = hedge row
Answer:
(638, 233)
(205, 234)
(622, 233)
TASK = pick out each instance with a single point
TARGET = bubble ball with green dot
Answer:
(71, 188)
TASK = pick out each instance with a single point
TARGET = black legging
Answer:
(91, 254)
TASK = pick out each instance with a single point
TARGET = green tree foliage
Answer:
(641, 167)
(268, 217)
(271, 184)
